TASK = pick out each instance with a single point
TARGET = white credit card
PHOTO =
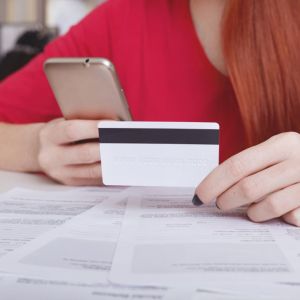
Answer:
(170, 154)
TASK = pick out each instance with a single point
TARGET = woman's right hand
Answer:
(66, 161)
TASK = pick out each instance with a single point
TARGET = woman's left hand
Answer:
(265, 177)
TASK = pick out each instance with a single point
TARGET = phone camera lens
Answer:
(87, 62)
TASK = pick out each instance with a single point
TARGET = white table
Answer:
(9, 180)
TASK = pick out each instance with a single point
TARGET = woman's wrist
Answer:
(20, 150)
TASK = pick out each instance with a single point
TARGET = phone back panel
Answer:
(87, 89)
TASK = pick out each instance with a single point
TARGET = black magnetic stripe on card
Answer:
(158, 136)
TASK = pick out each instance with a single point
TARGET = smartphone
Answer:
(87, 89)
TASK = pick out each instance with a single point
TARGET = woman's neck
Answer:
(207, 17)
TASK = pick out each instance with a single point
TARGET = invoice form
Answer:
(12, 288)
(26, 214)
(36, 289)
(81, 249)
(165, 240)
(73, 260)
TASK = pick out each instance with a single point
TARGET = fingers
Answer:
(54, 157)
(65, 132)
(260, 185)
(293, 217)
(84, 182)
(79, 154)
(81, 182)
(275, 205)
(75, 165)
(246, 163)
(92, 171)
(68, 162)
(79, 175)
(266, 176)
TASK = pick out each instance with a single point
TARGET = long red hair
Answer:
(261, 46)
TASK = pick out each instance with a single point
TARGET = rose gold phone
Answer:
(87, 88)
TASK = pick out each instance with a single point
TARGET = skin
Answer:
(64, 160)
(265, 177)
(207, 15)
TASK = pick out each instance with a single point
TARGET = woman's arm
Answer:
(19, 147)
(51, 148)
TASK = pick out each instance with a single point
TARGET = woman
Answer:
(235, 62)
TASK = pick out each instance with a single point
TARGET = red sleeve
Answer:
(25, 97)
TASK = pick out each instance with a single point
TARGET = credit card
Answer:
(169, 154)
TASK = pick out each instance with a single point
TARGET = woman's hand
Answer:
(265, 177)
(64, 160)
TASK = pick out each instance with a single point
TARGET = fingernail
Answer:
(217, 206)
(196, 201)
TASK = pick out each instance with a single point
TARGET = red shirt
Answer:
(162, 66)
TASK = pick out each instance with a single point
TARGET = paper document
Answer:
(165, 240)
(36, 289)
(82, 248)
(13, 288)
(26, 214)
(158, 246)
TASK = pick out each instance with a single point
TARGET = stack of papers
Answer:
(140, 243)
